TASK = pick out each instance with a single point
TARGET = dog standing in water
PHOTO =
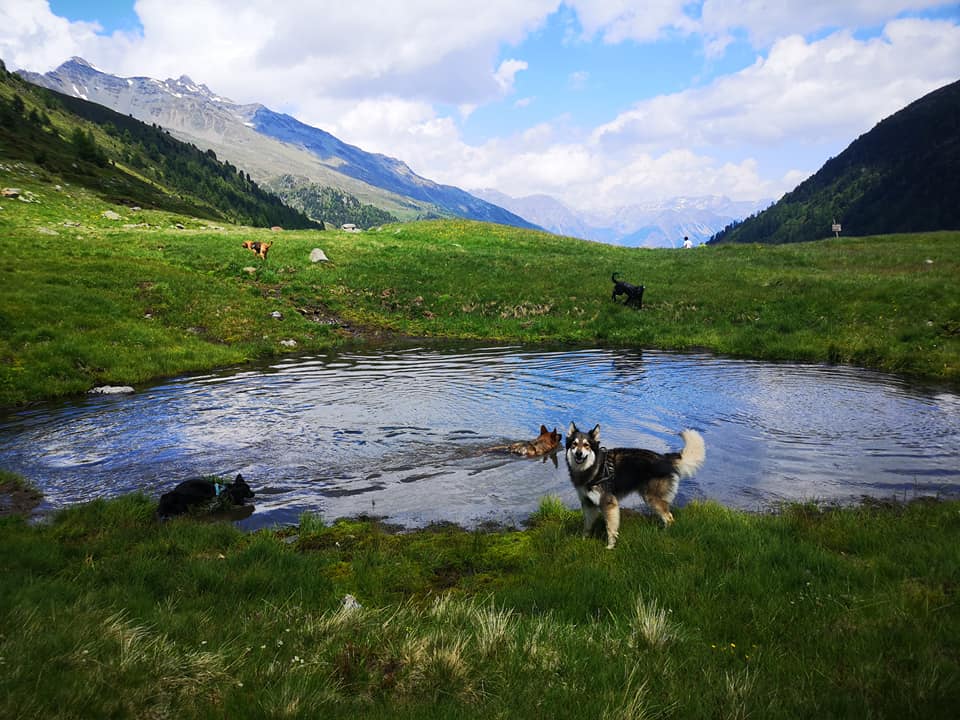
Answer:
(603, 477)
(548, 441)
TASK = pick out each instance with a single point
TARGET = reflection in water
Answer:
(401, 433)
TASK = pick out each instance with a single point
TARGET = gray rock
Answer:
(112, 390)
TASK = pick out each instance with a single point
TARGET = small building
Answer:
(350, 227)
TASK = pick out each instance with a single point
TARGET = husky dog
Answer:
(634, 293)
(203, 492)
(603, 477)
(545, 443)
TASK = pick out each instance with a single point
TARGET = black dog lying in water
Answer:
(203, 492)
(634, 293)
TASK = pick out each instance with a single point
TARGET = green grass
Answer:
(805, 613)
(100, 301)
(808, 613)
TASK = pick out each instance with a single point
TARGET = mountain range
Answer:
(269, 145)
(902, 176)
(129, 163)
(657, 223)
(302, 163)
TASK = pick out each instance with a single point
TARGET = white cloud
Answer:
(267, 50)
(33, 37)
(578, 80)
(619, 20)
(802, 93)
(403, 79)
(421, 49)
(507, 72)
(767, 21)
(674, 172)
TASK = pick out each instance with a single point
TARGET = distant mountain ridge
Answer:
(379, 170)
(127, 162)
(902, 176)
(651, 224)
(268, 144)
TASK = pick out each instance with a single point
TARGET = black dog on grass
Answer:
(203, 493)
(634, 293)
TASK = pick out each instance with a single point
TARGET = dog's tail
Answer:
(693, 454)
(614, 277)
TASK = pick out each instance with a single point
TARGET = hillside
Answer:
(901, 176)
(94, 293)
(333, 205)
(127, 162)
(267, 144)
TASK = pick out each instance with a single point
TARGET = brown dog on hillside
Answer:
(546, 443)
(257, 248)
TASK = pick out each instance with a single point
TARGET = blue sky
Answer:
(600, 103)
(111, 15)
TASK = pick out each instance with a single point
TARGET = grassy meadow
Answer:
(808, 613)
(803, 613)
(86, 300)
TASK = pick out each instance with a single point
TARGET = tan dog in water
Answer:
(546, 443)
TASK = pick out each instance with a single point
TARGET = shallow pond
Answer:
(402, 433)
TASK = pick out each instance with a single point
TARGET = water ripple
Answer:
(402, 433)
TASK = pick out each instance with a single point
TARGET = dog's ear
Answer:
(595, 433)
(572, 429)
(543, 430)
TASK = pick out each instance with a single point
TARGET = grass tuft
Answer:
(809, 612)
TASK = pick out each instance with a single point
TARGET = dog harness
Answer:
(607, 471)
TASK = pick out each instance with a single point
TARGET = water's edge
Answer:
(402, 432)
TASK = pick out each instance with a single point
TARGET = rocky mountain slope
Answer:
(267, 144)
(127, 162)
